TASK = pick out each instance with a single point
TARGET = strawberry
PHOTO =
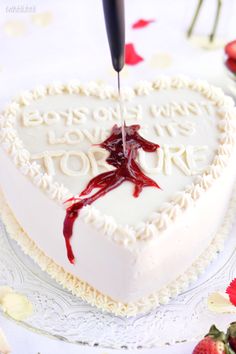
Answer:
(230, 49)
(231, 65)
(214, 342)
(231, 335)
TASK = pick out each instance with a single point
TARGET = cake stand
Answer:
(59, 314)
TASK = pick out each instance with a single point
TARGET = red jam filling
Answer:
(126, 169)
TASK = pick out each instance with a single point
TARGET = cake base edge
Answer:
(92, 296)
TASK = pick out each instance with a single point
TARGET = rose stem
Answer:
(190, 30)
(212, 35)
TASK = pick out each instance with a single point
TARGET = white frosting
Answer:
(184, 157)
(194, 125)
(105, 303)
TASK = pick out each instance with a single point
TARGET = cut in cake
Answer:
(146, 237)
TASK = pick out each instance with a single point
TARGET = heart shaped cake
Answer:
(124, 232)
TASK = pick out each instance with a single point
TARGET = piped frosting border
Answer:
(92, 296)
(159, 220)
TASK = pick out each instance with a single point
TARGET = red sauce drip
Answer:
(126, 169)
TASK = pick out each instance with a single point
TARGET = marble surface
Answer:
(48, 41)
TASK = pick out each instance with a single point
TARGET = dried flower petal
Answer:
(4, 346)
(219, 302)
(16, 306)
(4, 290)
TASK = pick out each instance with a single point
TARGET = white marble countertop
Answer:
(61, 40)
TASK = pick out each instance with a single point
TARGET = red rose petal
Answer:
(230, 49)
(142, 23)
(231, 291)
(131, 56)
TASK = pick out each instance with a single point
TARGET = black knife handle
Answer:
(115, 25)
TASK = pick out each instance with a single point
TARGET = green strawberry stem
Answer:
(215, 334)
(228, 350)
(231, 335)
